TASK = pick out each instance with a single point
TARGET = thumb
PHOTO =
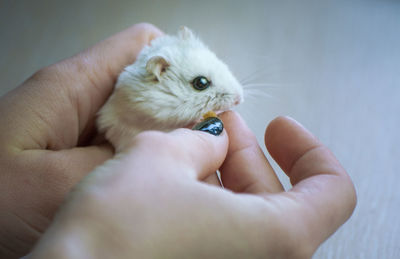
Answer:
(194, 153)
(323, 196)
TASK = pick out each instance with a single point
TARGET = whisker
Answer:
(261, 84)
(259, 71)
(257, 95)
(262, 70)
(268, 85)
(254, 75)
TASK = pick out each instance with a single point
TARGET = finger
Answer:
(323, 194)
(96, 69)
(246, 169)
(99, 66)
(68, 94)
(182, 153)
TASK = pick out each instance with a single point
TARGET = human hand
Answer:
(46, 133)
(150, 203)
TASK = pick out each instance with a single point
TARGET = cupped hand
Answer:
(47, 131)
(151, 203)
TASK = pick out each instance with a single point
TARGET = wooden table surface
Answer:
(332, 65)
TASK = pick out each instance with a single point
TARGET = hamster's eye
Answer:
(200, 83)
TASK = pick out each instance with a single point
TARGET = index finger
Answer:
(323, 196)
(71, 91)
(246, 169)
(100, 65)
(96, 69)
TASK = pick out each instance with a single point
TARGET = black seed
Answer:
(210, 125)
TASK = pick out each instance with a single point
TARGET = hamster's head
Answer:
(190, 80)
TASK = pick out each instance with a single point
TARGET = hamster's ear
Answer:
(185, 33)
(156, 66)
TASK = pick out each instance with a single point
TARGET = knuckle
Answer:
(41, 74)
(147, 31)
(45, 74)
(143, 25)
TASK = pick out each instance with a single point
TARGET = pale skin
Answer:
(155, 202)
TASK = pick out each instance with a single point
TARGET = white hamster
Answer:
(173, 82)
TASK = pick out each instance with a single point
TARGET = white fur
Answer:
(156, 93)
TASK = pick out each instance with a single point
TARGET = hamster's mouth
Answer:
(212, 113)
(204, 116)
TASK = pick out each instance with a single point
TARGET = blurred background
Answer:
(332, 65)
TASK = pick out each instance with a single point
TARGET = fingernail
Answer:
(212, 125)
